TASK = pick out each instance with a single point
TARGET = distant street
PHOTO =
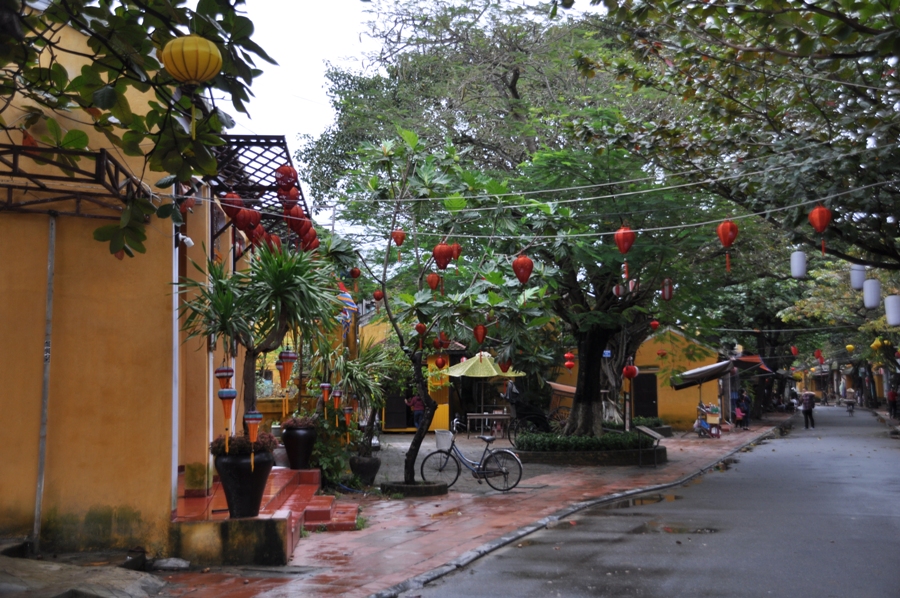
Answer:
(815, 513)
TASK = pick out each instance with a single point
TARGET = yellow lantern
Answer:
(192, 60)
(877, 344)
(850, 348)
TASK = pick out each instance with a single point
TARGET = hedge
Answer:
(548, 442)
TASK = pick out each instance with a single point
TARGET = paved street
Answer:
(814, 513)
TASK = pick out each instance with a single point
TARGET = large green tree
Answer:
(792, 102)
(122, 41)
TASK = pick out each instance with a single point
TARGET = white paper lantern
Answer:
(798, 264)
(871, 293)
(857, 276)
(892, 309)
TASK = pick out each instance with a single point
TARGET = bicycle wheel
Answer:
(440, 466)
(502, 470)
(559, 417)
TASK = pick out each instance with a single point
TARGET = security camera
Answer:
(183, 239)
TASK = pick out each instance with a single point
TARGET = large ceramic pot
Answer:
(299, 443)
(244, 488)
(365, 468)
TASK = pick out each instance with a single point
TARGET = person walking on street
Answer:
(808, 403)
(418, 408)
(892, 402)
(744, 406)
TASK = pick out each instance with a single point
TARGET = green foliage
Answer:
(331, 453)
(121, 47)
(548, 442)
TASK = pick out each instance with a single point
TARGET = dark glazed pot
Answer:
(243, 488)
(298, 444)
(365, 468)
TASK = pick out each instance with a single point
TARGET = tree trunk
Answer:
(586, 418)
(409, 466)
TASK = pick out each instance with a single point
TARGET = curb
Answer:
(419, 581)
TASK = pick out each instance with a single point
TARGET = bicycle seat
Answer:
(488, 439)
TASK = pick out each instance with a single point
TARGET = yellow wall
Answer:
(109, 436)
(677, 407)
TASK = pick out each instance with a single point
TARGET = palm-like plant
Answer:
(362, 377)
(282, 291)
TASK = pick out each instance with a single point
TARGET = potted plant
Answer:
(243, 471)
(298, 433)
(362, 377)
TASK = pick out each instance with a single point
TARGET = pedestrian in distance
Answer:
(744, 406)
(892, 402)
(807, 404)
(418, 408)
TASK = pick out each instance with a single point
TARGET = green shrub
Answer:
(544, 442)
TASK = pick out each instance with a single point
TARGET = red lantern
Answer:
(445, 340)
(288, 197)
(457, 250)
(619, 290)
(231, 204)
(661, 353)
(355, 273)
(479, 331)
(504, 366)
(667, 289)
(433, 280)
(436, 343)
(439, 362)
(624, 239)
(258, 234)
(817, 353)
(187, 204)
(820, 218)
(728, 232)
(378, 295)
(313, 246)
(654, 324)
(421, 329)
(569, 364)
(794, 350)
(633, 286)
(398, 236)
(274, 242)
(285, 176)
(569, 356)
(442, 254)
(310, 237)
(242, 219)
(821, 361)
(522, 267)
(630, 371)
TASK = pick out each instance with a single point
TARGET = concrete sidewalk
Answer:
(407, 542)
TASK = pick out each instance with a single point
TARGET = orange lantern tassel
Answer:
(252, 419)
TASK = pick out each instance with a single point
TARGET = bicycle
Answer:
(500, 468)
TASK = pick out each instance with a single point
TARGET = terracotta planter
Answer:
(365, 468)
(244, 488)
(299, 443)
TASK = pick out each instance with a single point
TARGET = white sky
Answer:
(301, 36)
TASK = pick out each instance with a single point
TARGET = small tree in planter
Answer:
(282, 291)
(361, 377)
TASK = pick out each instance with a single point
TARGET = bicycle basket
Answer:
(443, 439)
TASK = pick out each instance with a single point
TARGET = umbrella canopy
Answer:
(481, 366)
(703, 374)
